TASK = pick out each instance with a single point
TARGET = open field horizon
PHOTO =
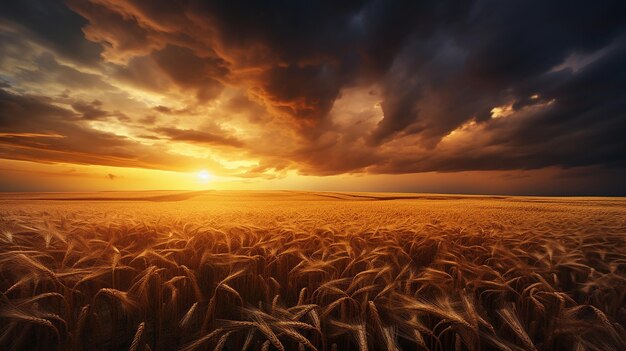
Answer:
(289, 270)
(177, 195)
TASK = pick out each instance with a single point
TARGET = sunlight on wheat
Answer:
(312, 274)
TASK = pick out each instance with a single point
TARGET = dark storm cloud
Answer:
(586, 123)
(188, 70)
(49, 70)
(439, 66)
(170, 111)
(52, 24)
(148, 120)
(90, 110)
(199, 137)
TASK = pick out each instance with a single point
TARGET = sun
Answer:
(204, 176)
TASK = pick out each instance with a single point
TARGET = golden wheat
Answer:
(297, 271)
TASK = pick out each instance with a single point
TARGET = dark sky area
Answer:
(520, 97)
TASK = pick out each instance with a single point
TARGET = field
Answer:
(317, 271)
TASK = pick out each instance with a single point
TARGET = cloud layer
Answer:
(257, 89)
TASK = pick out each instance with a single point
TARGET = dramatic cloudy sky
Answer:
(522, 97)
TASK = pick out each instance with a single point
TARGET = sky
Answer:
(488, 96)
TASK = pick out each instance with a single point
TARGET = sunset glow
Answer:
(140, 95)
(204, 176)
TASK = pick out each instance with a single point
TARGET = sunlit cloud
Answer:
(358, 90)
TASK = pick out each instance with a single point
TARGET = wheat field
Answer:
(311, 271)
